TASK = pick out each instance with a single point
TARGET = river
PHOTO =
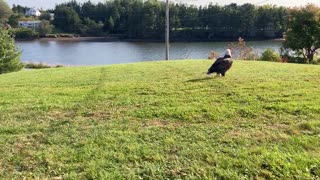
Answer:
(101, 53)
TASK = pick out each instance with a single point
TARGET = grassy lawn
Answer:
(161, 120)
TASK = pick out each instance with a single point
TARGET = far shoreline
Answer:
(115, 39)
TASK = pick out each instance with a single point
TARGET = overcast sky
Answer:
(45, 4)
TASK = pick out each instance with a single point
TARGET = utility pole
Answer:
(167, 30)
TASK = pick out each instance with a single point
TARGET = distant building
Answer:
(51, 16)
(29, 24)
(33, 12)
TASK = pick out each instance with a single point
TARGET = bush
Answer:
(24, 33)
(241, 51)
(9, 55)
(40, 66)
(45, 28)
(270, 55)
(213, 55)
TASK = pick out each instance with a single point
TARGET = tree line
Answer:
(145, 20)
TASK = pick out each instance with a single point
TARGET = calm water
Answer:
(99, 53)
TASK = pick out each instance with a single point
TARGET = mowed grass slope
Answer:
(161, 120)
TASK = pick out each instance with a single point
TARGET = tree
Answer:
(146, 19)
(9, 55)
(90, 27)
(248, 15)
(45, 16)
(45, 27)
(303, 34)
(19, 9)
(13, 20)
(109, 25)
(88, 10)
(67, 19)
(5, 11)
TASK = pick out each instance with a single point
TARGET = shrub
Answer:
(9, 55)
(240, 50)
(213, 55)
(40, 66)
(45, 28)
(270, 55)
(24, 33)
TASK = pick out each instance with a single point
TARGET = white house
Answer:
(33, 12)
(51, 16)
(29, 24)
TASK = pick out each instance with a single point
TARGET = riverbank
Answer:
(117, 39)
(81, 39)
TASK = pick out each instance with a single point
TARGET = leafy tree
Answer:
(232, 21)
(5, 11)
(109, 25)
(145, 19)
(24, 33)
(72, 5)
(303, 34)
(45, 16)
(9, 55)
(248, 15)
(67, 19)
(19, 9)
(152, 20)
(88, 10)
(45, 27)
(89, 23)
(91, 27)
(13, 20)
(214, 23)
(134, 21)
(174, 16)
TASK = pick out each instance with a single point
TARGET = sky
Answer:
(46, 4)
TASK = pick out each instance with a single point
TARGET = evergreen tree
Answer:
(67, 19)
(9, 55)
(109, 25)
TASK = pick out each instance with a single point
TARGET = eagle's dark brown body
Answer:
(220, 66)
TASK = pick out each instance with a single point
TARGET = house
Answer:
(51, 16)
(33, 12)
(29, 24)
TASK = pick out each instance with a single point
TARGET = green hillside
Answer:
(161, 120)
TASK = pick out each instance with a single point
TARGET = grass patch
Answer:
(161, 120)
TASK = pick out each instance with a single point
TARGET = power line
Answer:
(167, 29)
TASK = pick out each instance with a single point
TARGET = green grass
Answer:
(161, 120)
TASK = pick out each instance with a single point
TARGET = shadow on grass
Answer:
(200, 79)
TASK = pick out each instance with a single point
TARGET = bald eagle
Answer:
(220, 66)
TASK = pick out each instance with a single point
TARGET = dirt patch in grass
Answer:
(97, 115)
(257, 135)
(88, 115)
(160, 123)
(59, 114)
(22, 156)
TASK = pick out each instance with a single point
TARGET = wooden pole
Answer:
(167, 30)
